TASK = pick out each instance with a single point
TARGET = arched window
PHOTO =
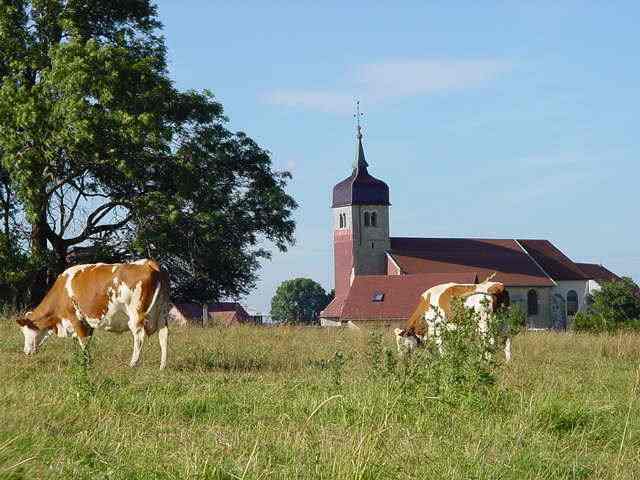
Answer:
(374, 219)
(366, 219)
(572, 302)
(532, 302)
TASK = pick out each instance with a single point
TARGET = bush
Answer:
(616, 306)
(465, 369)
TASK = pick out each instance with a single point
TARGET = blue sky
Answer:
(503, 119)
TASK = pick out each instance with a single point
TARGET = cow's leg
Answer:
(83, 341)
(83, 332)
(163, 334)
(138, 340)
(507, 349)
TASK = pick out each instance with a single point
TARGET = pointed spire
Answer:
(360, 162)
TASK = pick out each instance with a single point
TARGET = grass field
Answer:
(282, 402)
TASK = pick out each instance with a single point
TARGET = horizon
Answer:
(524, 111)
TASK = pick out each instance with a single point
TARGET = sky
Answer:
(486, 119)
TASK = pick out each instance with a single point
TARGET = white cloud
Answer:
(325, 101)
(377, 82)
(420, 77)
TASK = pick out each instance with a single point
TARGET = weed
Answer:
(337, 368)
(80, 373)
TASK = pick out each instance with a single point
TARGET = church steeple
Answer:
(361, 238)
(360, 188)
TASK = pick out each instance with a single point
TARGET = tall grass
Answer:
(290, 402)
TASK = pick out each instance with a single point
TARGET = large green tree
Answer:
(103, 156)
(299, 301)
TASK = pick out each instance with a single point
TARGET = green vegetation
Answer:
(102, 158)
(299, 300)
(294, 402)
(614, 307)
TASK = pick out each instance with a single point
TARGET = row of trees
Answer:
(102, 158)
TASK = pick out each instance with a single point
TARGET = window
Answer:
(374, 219)
(532, 302)
(366, 219)
(342, 220)
(572, 303)
(378, 297)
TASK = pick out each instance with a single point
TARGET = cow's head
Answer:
(33, 335)
(493, 296)
(406, 340)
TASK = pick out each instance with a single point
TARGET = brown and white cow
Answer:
(435, 307)
(112, 297)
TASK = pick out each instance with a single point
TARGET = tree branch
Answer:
(92, 227)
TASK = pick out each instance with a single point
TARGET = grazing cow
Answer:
(435, 307)
(113, 297)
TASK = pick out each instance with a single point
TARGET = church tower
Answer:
(360, 224)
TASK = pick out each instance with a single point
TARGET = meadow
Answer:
(285, 402)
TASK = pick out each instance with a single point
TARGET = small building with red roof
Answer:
(379, 278)
(225, 314)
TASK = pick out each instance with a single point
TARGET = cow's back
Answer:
(105, 294)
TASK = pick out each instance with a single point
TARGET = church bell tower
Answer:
(360, 223)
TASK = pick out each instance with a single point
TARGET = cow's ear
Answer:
(26, 322)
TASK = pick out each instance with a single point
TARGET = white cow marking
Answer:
(70, 273)
(65, 329)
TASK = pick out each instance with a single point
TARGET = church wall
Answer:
(581, 287)
(518, 296)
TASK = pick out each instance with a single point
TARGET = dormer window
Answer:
(378, 297)
(374, 219)
(366, 219)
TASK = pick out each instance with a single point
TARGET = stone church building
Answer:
(379, 278)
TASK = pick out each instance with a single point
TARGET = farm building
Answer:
(378, 278)
(225, 313)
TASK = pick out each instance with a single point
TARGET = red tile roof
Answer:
(597, 272)
(468, 255)
(401, 294)
(552, 260)
(334, 309)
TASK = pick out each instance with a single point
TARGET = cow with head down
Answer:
(114, 297)
(435, 309)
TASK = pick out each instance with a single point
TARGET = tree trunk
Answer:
(39, 285)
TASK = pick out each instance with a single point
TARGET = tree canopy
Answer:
(101, 157)
(299, 301)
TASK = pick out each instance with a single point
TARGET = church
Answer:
(379, 278)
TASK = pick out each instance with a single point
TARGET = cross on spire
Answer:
(360, 163)
(357, 116)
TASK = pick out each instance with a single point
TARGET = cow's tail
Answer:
(163, 304)
(158, 310)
